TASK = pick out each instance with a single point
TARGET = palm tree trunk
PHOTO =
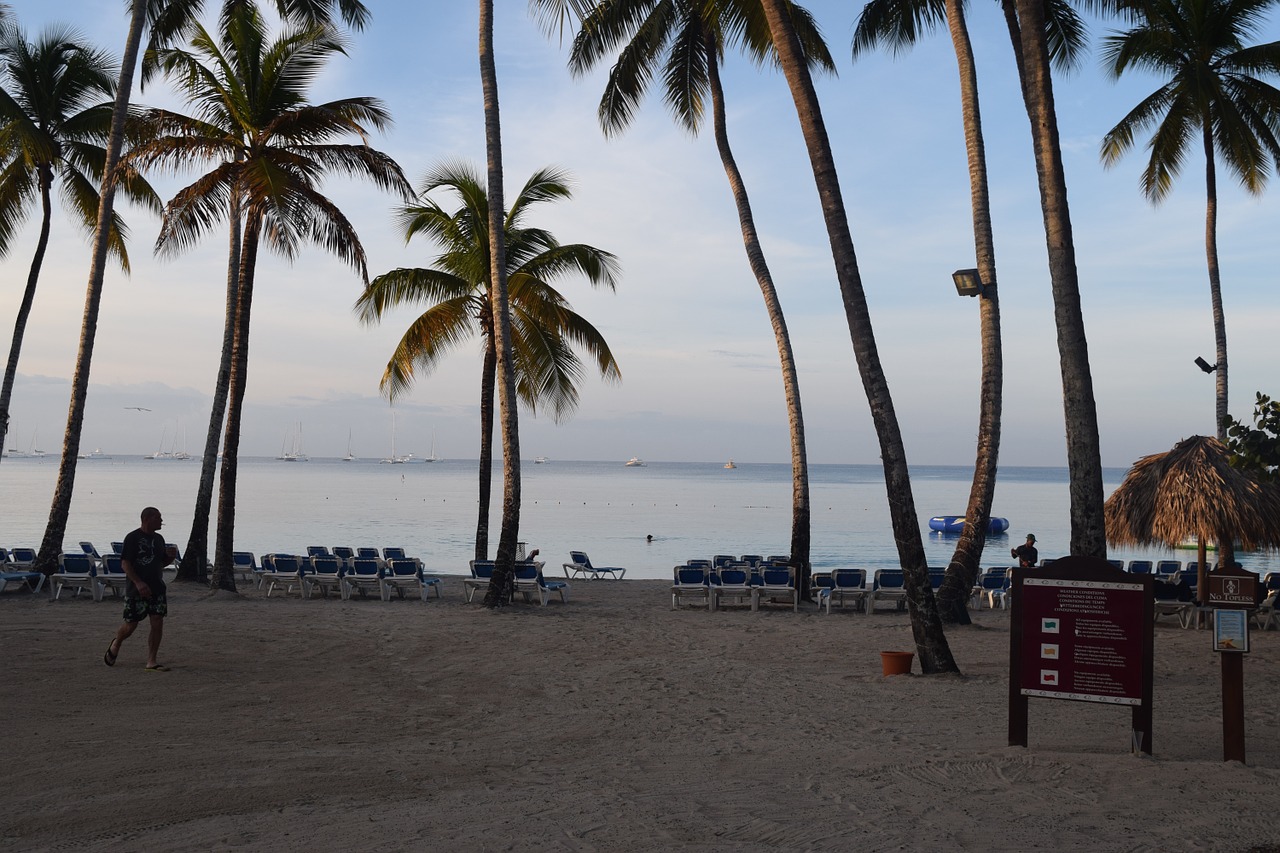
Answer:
(223, 568)
(51, 546)
(504, 564)
(1084, 458)
(1215, 281)
(196, 558)
(926, 624)
(28, 297)
(962, 572)
(800, 510)
(487, 375)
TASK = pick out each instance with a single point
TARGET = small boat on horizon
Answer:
(730, 464)
(636, 462)
(540, 460)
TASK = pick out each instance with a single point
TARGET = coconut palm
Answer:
(1213, 86)
(268, 148)
(1034, 50)
(899, 24)
(52, 125)
(167, 21)
(685, 40)
(458, 294)
(931, 642)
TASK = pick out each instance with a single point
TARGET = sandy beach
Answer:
(609, 723)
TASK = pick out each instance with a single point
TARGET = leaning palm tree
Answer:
(899, 23)
(926, 624)
(685, 40)
(1214, 87)
(268, 148)
(167, 20)
(52, 126)
(458, 294)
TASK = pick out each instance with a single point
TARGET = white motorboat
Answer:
(635, 462)
(730, 464)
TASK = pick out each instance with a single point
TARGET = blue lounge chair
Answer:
(344, 553)
(407, 574)
(1165, 568)
(244, 565)
(887, 585)
(1140, 567)
(317, 551)
(846, 585)
(111, 576)
(76, 571)
(937, 574)
(690, 581)
(776, 583)
(282, 570)
(481, 574)
(16, 574)
(731, 581)
(22, 558)
(92, 552)
(530, 582)
(363, 574)
(751, 559)
(326, 574)
(582, 565)
(1116, 564)
(993, 587)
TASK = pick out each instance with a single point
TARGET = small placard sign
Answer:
(1230, 631)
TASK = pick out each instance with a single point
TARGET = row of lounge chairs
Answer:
(750, 578)
(87, 571)
(343, 570)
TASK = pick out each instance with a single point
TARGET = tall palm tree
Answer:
(458, 295)
(502, 583)
(167, 20)
(926, 624)
(1214, 86)
(899, 23)
(1033, 50)
(268, 147)
(52, 126)
(685, 39)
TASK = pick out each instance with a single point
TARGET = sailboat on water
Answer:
(350, 457)
(393, 459)
(291, 449)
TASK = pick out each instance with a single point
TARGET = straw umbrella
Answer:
(1192, 491)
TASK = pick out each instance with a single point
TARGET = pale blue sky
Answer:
(687, 324)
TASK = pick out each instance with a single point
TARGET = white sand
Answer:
(611, 723)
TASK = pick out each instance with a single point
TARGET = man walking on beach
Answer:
(1027, 554)
(143, 559)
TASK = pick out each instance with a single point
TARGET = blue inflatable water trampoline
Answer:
(955, 524)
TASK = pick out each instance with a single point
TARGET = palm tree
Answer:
(1033, 49)
(52, 125)
(926, 624)
(1214, 87)
(459, 297)
(686, 40)
(268, 148)
(167, 20)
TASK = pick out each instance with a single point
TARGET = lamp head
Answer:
(968, 282)
(1205, 366)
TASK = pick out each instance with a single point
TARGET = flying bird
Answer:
(137, 408)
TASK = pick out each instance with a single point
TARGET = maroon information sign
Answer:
(1081, 630)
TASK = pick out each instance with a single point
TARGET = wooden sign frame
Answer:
(1105, 619)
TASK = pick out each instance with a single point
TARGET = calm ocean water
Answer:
(604, 508)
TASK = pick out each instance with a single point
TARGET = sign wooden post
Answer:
(1082, 630)
(1232, 592)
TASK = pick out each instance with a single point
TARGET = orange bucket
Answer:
(896, 663)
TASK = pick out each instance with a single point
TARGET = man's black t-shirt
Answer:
(1026, 554)
(146, 553)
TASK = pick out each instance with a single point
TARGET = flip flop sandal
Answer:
(157, 668)
(109, 658)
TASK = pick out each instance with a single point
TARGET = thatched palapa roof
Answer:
(1192, 491)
